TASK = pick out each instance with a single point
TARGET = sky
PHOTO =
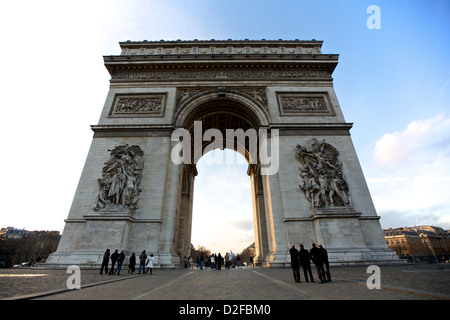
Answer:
(392, 83)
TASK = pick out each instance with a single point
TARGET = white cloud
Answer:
(423, 138)
(409, 178)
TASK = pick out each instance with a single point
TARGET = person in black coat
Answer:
(295, 263)
(105, 261)
(132, 266)
(316, 258)
(113, 258)
(324, 254)
(304, 258)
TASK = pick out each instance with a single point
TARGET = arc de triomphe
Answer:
(133, 196)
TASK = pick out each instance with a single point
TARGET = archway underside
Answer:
(220, 114)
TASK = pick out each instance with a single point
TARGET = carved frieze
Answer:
(255, 94)
(322, 175)
(304, 103)
(145, 105)
(171, 75)
(120, 184)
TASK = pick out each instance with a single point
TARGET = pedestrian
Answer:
(316, 258)
(142, 259)
(213, 262)
(227, 261)
(324, 253)
(202, 261)
(105, 262)
(113, 258)
(295, 263)
(219, 262)
(304, 259)
(238, 261)
(132, 266)
(120, 260)
(150, 261)
(251, 262)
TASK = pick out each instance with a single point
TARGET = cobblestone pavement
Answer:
(406, 282)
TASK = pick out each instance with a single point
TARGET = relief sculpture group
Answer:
(321, 174)
(120, 185)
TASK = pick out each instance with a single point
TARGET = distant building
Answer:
(12, 233)
(419, 243)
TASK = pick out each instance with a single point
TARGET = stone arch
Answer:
(215, 111)
(187, 107)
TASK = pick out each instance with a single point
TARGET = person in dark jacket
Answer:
(142, 259)
(316, 258)
(113, 258)
(120, 260)
(324, 254)
(105, 262)
(295, 263)
(132, 266)
(305, 261)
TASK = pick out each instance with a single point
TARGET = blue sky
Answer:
(392, 83)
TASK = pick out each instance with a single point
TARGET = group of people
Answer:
(216, 261)
(145, 262)
(318, 255)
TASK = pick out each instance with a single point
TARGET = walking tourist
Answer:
(113, 258)
(120, 260)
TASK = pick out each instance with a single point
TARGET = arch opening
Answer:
(223, 123)
(222, 213)
(222, 116)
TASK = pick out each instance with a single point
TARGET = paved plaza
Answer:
(405, 282)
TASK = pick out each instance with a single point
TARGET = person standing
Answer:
(132, 266)
(150, 261)
(213, 262)
(105, 262)
(120, 260)
(304, 259)
(142, 259)
(295, 263)
(227, 261)
(324, 254)
(113, 258)
(202, 261)
(219, 262)
(316, 258)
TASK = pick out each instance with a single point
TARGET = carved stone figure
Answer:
(119, 187)
(321, 174)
